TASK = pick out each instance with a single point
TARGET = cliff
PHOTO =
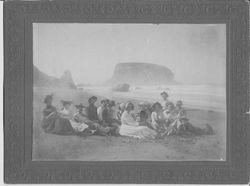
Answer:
(41, 79)
(141, 74)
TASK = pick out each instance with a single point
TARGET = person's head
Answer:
(122, 107)
(66, 104)
(48, 99)
(111, 104)
(164, 95)
(170, 107)
(80, 107)
(129, 106)
(143, 115)
(103, 103)
(156, 107)
(179, 103)
(92, 100)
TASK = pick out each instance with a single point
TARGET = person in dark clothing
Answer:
(52, 120)
(49, 114)
(91, 110)
(110, 119)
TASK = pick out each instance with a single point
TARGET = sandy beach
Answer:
(52, 147)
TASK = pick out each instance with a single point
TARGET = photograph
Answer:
(129, 92)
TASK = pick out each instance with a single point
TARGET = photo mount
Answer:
(18, 94)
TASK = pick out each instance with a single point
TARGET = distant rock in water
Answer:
(141, 74)
(124, 87)
(41, 79)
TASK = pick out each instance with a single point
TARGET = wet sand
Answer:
(52, 147)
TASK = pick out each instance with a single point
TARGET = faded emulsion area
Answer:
(133, 63)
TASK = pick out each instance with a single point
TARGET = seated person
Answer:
(65, 117)
(109, 118)
(158, 120)
(165, 102)
(100, 109)
(92, 109)
(130, 127)
(49, 114)
(181, 125)
(169, 113)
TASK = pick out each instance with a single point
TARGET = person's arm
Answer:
(99, 113)
(77, 118)
(118, 115)
(154, 120)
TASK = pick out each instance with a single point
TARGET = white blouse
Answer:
(127, 119)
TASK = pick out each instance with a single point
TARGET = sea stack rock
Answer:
(142, 74)
(67, 79)
(40, 79)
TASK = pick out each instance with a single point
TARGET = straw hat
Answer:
(80, 106)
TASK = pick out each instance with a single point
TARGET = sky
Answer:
(196, 53)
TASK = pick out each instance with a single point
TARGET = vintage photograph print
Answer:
(129, 92)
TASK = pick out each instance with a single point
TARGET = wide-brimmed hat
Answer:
(66, 102)
(47, 97)
(164, 93)
(80, 106)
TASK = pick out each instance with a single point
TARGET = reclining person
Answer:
(82, 124)
(180, 123)
(95, 126)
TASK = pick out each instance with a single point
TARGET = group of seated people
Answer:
(149, 121)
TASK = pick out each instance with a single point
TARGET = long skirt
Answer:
(48, 123)
(78, 127)
(63, 127)
(140, 132)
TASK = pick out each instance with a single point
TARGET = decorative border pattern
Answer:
(20, 169)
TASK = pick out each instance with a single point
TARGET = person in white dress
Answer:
(130, 127)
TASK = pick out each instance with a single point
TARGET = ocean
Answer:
(207, 97)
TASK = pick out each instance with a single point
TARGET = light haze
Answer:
(196, 53)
